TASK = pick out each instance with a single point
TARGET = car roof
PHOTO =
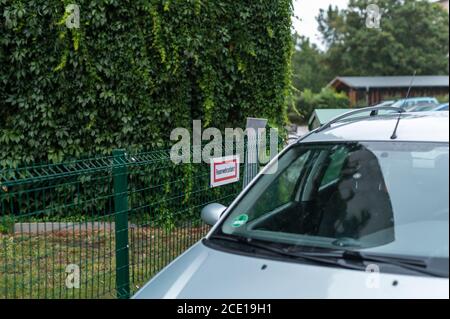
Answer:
(419, 126)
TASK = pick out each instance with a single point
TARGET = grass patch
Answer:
(34, 265)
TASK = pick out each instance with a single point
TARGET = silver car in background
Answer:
(416, 103)
(357, 209)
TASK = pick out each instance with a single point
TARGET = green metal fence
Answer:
(115, 221)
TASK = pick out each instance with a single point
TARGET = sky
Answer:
(307, 11)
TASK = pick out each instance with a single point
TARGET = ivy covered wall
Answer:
(134, 70)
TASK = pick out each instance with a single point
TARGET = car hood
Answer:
(205, 273)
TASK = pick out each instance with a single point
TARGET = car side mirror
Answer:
(212, 213)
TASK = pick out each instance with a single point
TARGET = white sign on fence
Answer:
(224, 170)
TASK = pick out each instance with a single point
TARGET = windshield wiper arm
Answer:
(415, 265)
(318, 259)
(340, 258)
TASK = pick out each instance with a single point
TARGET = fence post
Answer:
(120, 181)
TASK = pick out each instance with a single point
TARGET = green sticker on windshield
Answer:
(240, 221)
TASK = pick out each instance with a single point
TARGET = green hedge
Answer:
(307, 102)
(135, 70)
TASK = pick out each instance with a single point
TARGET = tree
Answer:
(309, 71)
(413, 35)
(309, 77)
(325, 99)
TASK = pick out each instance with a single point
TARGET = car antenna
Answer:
(394, 134)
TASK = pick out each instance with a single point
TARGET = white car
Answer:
(357, 209)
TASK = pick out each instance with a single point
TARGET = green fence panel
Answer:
(100, 227)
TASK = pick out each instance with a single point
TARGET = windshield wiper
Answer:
(342, 258)
(415, 265)
(314, 258)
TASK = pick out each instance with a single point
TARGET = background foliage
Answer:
(309, 69)
(413, 36)
(308, 101)
(310, 75)
(135, 70)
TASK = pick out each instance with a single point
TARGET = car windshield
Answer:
(378, 197)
